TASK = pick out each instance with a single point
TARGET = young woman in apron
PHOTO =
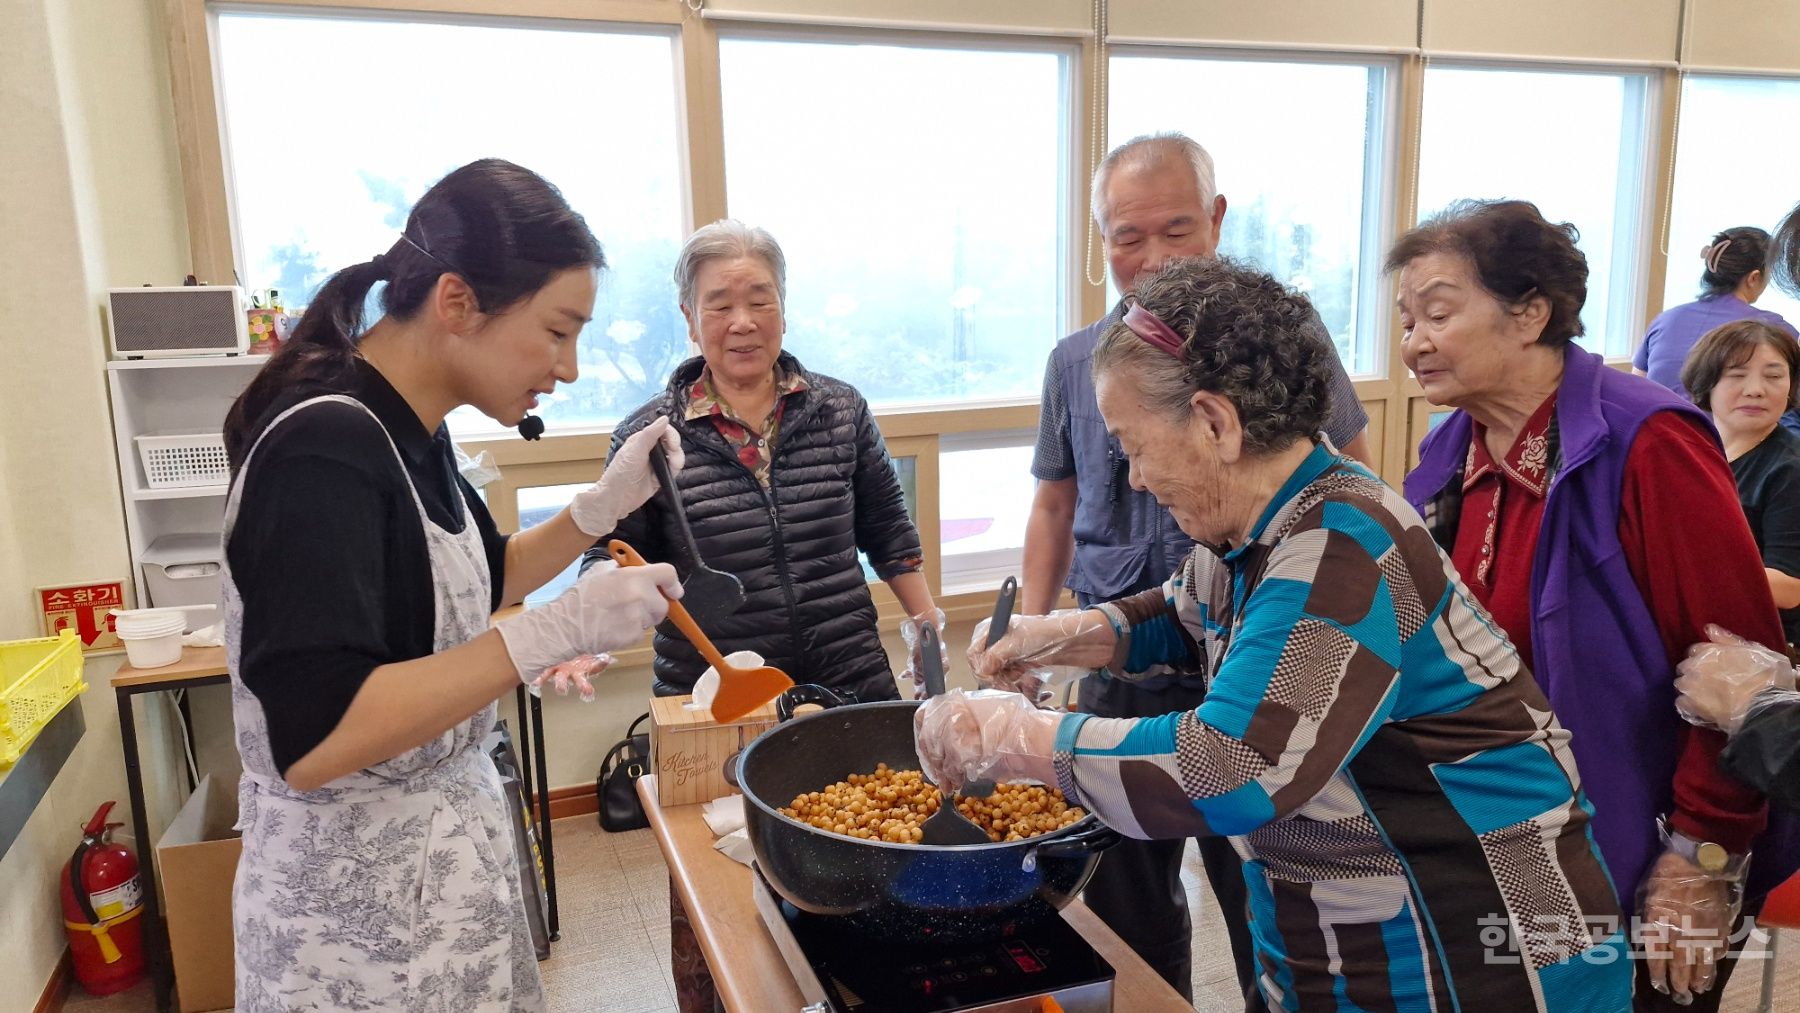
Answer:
(378, 869)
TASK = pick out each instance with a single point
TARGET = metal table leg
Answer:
(156, 952)
(543, 780)
(1766, 999)
(522, 737)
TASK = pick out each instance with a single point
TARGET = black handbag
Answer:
(625, 762)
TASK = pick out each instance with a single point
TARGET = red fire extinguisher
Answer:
(101, 913)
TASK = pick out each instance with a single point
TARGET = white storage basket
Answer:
(182, 570)
(182, 460)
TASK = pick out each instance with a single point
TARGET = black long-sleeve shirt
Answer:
(1765, 753)
(329, 552)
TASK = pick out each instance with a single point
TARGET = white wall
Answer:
(90, 196)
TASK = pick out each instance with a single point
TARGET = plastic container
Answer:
(37, 677)
(182, 570)
(183, 460)
(152, 636)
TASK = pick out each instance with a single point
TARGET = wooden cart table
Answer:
(749, 972)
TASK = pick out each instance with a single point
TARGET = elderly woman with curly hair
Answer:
(1408, 809)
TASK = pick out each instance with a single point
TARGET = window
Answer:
(1734, 165)
(919, 196)
(1305, 202)
(984, 501)
(1575, 144)
(538, 504)
(329, 184)
(906, 469)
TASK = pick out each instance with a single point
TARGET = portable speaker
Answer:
(177, 320)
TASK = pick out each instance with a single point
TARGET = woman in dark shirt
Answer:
(378, 870)
(1743, 374)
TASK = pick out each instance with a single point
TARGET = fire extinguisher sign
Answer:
(86, 609)
(118, 900)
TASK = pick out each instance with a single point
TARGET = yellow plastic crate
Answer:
(37, 677)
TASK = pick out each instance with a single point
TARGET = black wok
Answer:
(895, 892)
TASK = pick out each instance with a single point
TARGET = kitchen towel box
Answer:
(688, 749)
(198, 859)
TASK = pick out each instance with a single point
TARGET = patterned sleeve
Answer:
(1157, 632)
(1313, 671)
(1054, 458)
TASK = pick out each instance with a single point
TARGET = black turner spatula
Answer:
(707, 593)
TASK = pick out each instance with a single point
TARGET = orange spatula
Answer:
(741, 690)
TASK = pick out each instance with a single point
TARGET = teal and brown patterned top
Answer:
(1407, 807)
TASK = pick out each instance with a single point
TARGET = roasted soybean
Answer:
(892, 805)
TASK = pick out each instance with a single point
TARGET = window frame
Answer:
(989, 567)
(1382, 160)
(1632, 262)
(1677, 88)
(341, 11)
(1071, 299)
(575, 453)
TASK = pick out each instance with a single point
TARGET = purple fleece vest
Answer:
(1599, 656)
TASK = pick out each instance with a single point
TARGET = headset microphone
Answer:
(531, 427)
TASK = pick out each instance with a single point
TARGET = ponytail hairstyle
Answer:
(1784, 254)
(500, 227)
(1730, 258)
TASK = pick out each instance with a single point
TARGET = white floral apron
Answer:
(392, 888)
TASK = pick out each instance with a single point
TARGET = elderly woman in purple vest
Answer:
(1593, 515)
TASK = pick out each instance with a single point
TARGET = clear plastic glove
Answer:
(1026, 658)
(1686, 927)
(577, 673)
(1719, 679)
(628, 481)
(607, 609)
(909, 632)
(987, 735)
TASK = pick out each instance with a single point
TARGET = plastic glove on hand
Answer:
(1687, 919)
(608, 609)
(1075, 638)
(1719, 679)
(909, 632)
(987, 735)
(576, 672)
(628, 481)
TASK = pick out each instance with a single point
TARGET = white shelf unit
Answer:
(159, 396)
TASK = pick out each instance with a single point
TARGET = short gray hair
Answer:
(731, 238)
(1150, 150)
(1245, 337)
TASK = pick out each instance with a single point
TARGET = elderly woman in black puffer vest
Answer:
(785, 478)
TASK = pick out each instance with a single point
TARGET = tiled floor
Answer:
(614, 953)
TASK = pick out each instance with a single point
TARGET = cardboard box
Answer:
(197, 859)
(688, 748)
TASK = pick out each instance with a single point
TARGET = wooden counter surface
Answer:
(195, 663)
(749, 972)
(203, 662)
